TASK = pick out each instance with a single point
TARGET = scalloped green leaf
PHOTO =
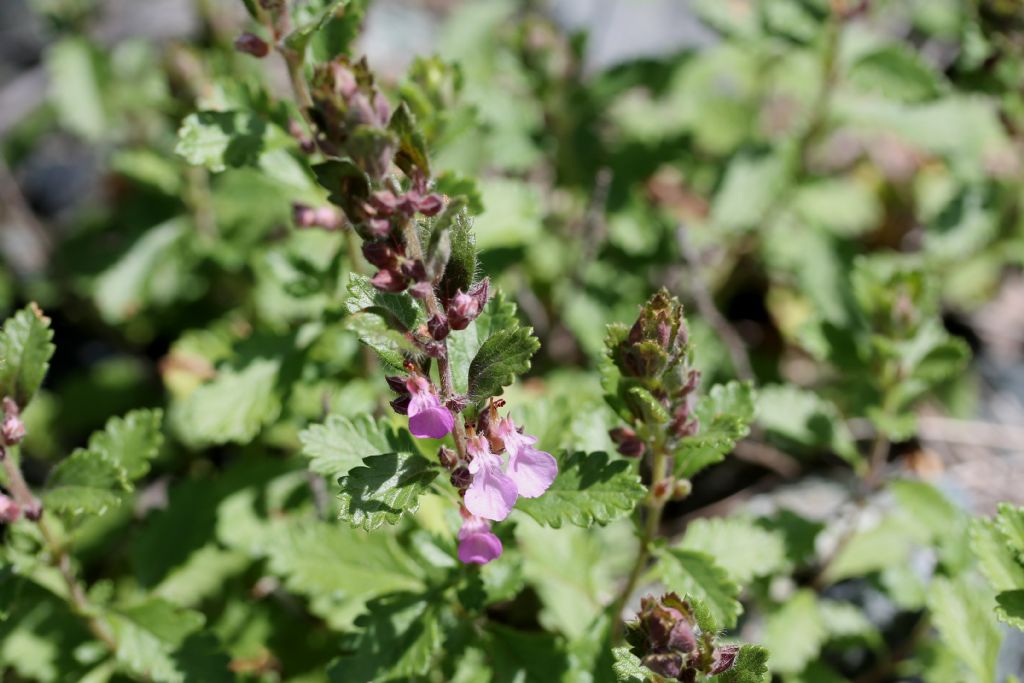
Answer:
(85, 482)
(384, 488)
(131, 442)
(339, 444)
(501, 357)
(725, 415)
(590, 488)
(1010, 608)
(25, 351)
(743, 549)
(627, 667)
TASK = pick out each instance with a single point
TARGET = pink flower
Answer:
(531, 470)
(427, 417)
(9, 510)
(477, 545)
(491, 494)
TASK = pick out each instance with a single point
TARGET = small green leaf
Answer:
(221, 139)
(648, 406)
(461, 269)
(627, 667)
(688, 572)
(456, 185)
(299, 38)
(724, 415)
(384, 488)
(589, 489)
(1010, 607)
(341, 443)
(740, 547)
(86, 482)
(25, 351)
(412, 147)
(504, 355)
(130, 442)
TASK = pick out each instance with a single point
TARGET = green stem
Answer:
(59, 557)
(652, 522)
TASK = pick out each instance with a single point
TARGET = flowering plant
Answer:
(403, 385)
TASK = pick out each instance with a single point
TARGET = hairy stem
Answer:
(444, 370)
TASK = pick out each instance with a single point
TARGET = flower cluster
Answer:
(668, 640)
(489, 483)
(653, 356)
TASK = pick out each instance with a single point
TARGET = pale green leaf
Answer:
(724, 415)
(740, 547)
(963, 617)
(751, 666)
(341, 443)
(795, 633)
(219, 139)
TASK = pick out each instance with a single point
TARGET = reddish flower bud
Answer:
(385, 202)
(10, 511)
(401, 404)
(449, 458)
(252, 44)
(724, 658)
(33, 511)
(388, 281)
(630, 445)
(461, 478)
(434, 349)
(397, 384)
(414, 270)
(430, 205)
(663, 489)
(380, 254)
(462, 310)
(12, 429)
(378, 227)
(421, 290)
(438, 327)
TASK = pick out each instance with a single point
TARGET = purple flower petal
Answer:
(427, 417)
(491, 494)
(432, 423)
(479, 548)
(532, 471)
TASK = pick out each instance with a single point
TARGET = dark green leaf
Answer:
(299, 38)
(504, 355)
(1010, 608)
(589, 489)
(384, 488)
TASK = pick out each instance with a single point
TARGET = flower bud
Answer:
(434, 349)
(449, 458)
(630, 445)
(421, 290)
(401, 404)
(682, 489)
(663, 489)
(430, 205)
(461, 478)
(414, 270)
(12, 429)
(10, 511)
(252, 44)
(380, 254)
(396, 384)
(387, 280)
(438, 327)
(33, 511)
(724, 658)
